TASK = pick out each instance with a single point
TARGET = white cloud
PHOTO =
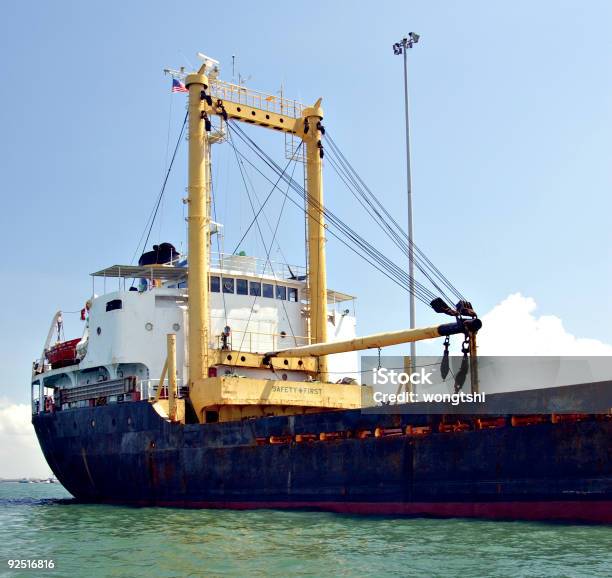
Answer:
(513, 328)
(20, 454)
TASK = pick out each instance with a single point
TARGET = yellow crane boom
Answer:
(379, 340)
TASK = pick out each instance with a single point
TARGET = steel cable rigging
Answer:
(385, 219)
(336, 226)
(330, 231)
(340, 229)
(256, 214)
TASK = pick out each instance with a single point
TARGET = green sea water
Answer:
(42, 522)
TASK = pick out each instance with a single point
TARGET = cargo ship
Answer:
(215, 380)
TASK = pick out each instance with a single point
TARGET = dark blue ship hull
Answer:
(126, 453)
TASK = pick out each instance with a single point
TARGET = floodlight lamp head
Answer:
(397, 48)
(414, 37)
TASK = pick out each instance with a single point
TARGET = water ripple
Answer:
(40, 521)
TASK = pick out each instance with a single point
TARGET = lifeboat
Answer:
(63, 354)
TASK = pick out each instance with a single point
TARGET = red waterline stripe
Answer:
(570, 511)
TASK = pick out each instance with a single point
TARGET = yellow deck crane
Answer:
(230, 397)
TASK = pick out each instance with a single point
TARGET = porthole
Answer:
(149, 326)
(229, 357)
(242, 358)
(300, 362)
(93, 423)
(283, 334)
(99, 330)
(176, 326)
(286, 362)
(238, 109)
(284, 376)
(253, 112)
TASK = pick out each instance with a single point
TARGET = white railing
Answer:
(247, 265)
(249, 97)
(253, 341)
(148, 388)
(250, 265)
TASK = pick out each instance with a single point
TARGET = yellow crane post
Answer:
(198, 219)
(171, 362)
(317, 270)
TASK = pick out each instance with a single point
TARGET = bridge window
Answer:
(215, 284)
(255, 288)
(292, 294)
(268, 290)
(114, 304)
(242, 287)
(281, 292)
(228, 285)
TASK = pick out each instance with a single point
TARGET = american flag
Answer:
(178, 86)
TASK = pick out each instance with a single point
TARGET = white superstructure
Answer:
(256, 306)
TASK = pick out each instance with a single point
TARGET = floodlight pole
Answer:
(402, 48)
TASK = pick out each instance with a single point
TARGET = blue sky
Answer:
(511, 117)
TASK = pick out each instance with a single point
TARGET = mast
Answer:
(198, 220)
(317, 269)
(239, 103)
